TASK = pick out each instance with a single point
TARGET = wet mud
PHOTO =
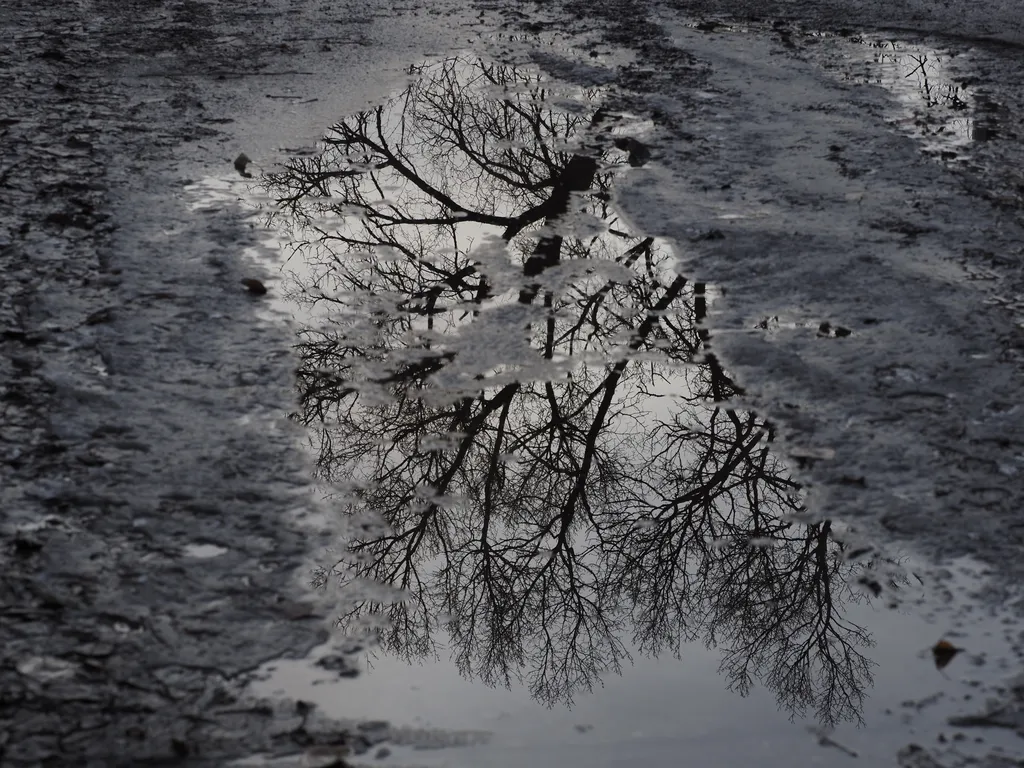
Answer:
(118, 649)
(154, 494)
(660, 338)
(739, 186)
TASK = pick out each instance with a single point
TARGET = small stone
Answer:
(25, 546)
(255, 287)
(104, 315)
(240, 163)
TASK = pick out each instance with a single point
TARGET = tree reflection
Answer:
(518, 387)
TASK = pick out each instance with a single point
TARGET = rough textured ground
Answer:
(999, 21)
(135, 422)
(143, 402)
(150, 481)
(785, 185)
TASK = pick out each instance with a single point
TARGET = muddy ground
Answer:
(154, 495)
(995, 22)
(939, 449)
(145, 407)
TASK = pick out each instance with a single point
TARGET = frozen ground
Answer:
(157, 516)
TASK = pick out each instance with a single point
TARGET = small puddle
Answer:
(936, 100)
(936, 105)
(558, 529)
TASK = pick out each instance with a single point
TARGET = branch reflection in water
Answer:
(515, 386)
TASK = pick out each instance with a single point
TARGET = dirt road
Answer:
(158, 518)
(153, 488)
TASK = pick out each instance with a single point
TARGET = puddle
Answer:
(935, 101)
(936, 105)
(559, 531)
(654, 708)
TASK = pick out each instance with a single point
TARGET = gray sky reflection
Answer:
(518, 388)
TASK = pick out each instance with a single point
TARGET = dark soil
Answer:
(144, 406)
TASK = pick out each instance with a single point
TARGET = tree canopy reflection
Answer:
(517, 386)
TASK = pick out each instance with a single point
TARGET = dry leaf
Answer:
(254, 286)
(943, 652)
